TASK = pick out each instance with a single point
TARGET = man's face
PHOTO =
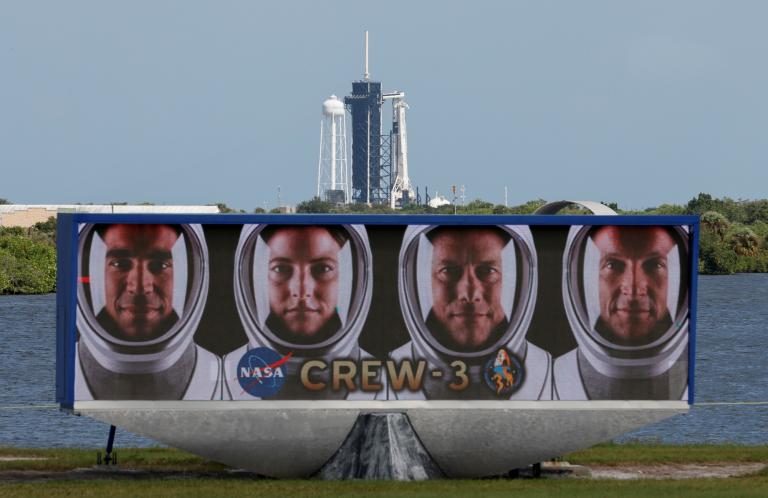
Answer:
(466, 286)
(139, 279)
(633, 279)
(303, 279)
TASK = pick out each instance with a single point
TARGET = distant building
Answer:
(286, 209)
(26, 215)
(438, 201)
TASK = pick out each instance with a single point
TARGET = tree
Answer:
(756, 211)
(744, 242)
(223, 208)
(478, 206)
(716, 223)
(527, 208)
(316, 205)
(5, 279)
(27, 267)
(701, 204)
(5, 201)
(47, 226)
(671, 209)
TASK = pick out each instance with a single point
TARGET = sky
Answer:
(191, 102)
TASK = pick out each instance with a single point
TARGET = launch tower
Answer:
(379, 160)
(370, 181)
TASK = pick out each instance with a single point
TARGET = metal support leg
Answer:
(109, 458)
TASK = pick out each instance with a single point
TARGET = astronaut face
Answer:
(466, 286)
(633, 282)
(138, 280)
(304, 281)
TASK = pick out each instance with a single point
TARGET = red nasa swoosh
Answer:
(273, 366)
(281, 361)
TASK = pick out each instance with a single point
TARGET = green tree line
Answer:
(733, 239)
(28, 259)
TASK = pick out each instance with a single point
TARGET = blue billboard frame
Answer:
(67, 261)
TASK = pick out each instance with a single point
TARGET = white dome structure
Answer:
(333, 106)
(438, 200)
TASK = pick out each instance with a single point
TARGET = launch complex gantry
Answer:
(379, 160)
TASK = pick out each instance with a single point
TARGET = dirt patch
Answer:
(675, 471)
(11, 458)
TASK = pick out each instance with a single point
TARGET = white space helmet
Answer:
(518, 292)
(189, 255)
(355, 281)
(581, 289)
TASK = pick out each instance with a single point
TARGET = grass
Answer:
(219, 484)
(650, 454)
(175, 460)
(743, 486)
(134, 458)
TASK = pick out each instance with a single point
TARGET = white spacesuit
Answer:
(355, 280)
(604, 367)
(517, 298)
(167, 366)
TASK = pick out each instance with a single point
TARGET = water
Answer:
(731, 357)
(730, 367)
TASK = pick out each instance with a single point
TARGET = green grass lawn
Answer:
(222, 484)
(172, 459)
(133, 458)
(742, 486)
(649, 454)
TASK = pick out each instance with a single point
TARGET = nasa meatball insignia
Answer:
(261, 373)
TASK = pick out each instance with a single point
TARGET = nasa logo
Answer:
(260, 372)
(504, 373)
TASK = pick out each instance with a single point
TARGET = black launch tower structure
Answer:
(371, 158)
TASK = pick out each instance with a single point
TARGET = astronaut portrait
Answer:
(626, 301)
(633, 283)
(304, 291)
(141, 292)
(303, 280)
(466, 293)
(138, 280)
(467, 280)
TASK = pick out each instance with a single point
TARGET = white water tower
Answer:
(333, 181)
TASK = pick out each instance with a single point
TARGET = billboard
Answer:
(232, 308)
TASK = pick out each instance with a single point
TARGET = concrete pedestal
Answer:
(381, 446)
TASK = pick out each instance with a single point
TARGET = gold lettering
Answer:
(305, 380)
(460, 373)
(371, 371)
(398, 375)
(344, 370)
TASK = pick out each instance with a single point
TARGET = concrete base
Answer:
(381, 446)
(295, 439)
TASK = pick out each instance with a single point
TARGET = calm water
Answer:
(730, 367)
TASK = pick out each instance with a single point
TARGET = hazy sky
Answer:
(198, 102)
